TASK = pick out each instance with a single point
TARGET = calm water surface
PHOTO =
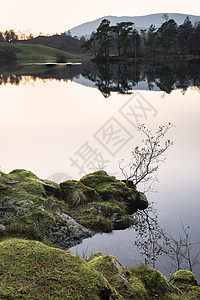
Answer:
(62, 129)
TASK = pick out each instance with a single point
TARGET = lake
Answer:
(66, 121)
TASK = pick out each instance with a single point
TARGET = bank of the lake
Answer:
(32, 270)
(60, 215)
(64, 214)
(27, 53)
(146, 59)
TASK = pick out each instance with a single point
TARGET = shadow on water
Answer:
(120, 78)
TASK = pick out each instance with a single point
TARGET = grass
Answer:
(28, 53)
(31, 270)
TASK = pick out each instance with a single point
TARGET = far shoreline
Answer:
(147, 59)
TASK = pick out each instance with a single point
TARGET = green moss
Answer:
(118, 276)
(76, 193)
(23, 228)
(186, 293)
(21, 175)
(192, 292)
(99, 202)
(31, 270)
(183, 277)
(107, 186)
(103, 216)
(53, 204)
(89, 216)
(95, 255)
(154, 281)
(137, 289)
(27, 210)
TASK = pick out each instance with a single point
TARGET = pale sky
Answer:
(61, 15)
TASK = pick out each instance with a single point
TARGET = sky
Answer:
(49, 16)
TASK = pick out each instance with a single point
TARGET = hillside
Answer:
(61, 42)
(32, 270)
(141, 22)
(37, 53)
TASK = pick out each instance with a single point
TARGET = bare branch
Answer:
(145, 161)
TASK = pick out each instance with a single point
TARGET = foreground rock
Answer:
(32, 270)
(65, 214)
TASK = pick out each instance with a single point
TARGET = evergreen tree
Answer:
(184, 35)
(167, 35)
(121, 32)
(152, 38)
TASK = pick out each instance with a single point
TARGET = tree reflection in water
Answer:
(153, 241)
(120, 78)
(124, 78)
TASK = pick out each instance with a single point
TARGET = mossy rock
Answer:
(118, 276)
(31, 270)
(21, 174)
(95, 255)
(191, 292)
(103, 216)
(76, 193)
(51, 188)
(182, 277)
(27, 210)
(107, 186)
(34, 208)
(154, 282)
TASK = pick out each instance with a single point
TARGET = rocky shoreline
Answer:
(34, 211)
(63, 215)
(32, 270)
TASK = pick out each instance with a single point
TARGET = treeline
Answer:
(123, 40)
(60, 41)
(8, 36)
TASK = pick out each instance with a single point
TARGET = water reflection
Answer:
(120, 78)
(44, 126)
(158, 247)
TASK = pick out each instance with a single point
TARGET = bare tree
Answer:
(149, 235)
(165, 17)
(153, 241)
(182, 251)
(145, 161)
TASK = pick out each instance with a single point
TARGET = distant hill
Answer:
(61, 42)
(141, 22)
(37, 53)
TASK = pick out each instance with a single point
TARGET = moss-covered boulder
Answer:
(76, 193)
(183, 277)
(118, 276)
(65, 214)
(31, 270)
(110, 188)
(101, 202)
(155, 283)
(187, 283)
(28, 209)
